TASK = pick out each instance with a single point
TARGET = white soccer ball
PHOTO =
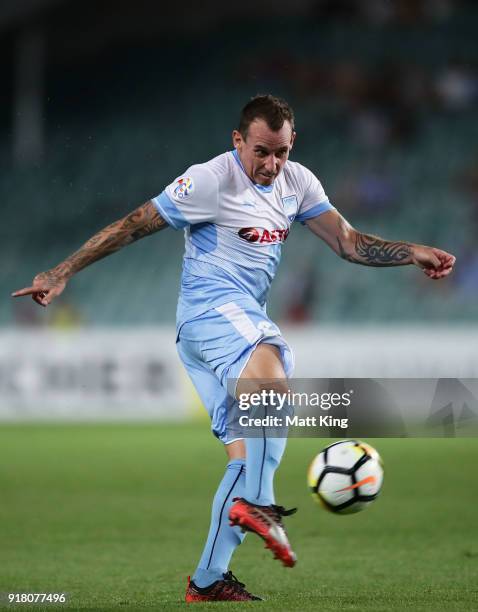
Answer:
(346, 476)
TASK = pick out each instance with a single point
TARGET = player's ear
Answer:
(292, 139)
(237, 139)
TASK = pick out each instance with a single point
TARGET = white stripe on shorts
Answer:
(240, 320)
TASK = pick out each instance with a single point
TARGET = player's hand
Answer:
(435, 263)
(46, 286)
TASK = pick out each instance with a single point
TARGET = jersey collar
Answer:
(262, 188)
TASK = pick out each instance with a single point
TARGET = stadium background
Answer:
(101, 106)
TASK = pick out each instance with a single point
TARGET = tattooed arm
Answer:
(369, 250)
(142, 222)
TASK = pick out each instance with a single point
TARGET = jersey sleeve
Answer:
(191, 198)
(314, 201)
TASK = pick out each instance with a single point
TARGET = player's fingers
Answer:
(25, 291)
(39, 298)
(438, 274)
(448, 269)
(430, 272)
(446, 258)
(445, 272)
(50, 295)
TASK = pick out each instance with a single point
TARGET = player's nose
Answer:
(270, 164)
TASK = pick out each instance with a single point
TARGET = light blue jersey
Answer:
(234, 229)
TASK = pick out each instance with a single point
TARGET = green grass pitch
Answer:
(116, 515)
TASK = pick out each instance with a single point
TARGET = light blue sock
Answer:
(263, 456)
(222, 539)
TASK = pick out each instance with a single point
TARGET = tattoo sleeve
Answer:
(371, 250)
(142, 222)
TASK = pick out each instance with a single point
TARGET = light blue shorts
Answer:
(216, 347)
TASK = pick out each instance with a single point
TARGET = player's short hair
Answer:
(274, 111)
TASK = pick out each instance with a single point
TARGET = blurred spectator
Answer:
(373, 189)
(377, 189)
(371, 128)
(457, 86)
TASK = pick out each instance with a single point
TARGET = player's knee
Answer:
(269, 390)
(235, 450)
(278, 388)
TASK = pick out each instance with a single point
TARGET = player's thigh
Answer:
(264, 370)
(264, 362)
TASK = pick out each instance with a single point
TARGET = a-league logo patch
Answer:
(184, 187)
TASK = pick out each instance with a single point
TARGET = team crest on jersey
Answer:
(184, 187)
(290, 206)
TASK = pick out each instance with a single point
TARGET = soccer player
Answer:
(236, 210)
